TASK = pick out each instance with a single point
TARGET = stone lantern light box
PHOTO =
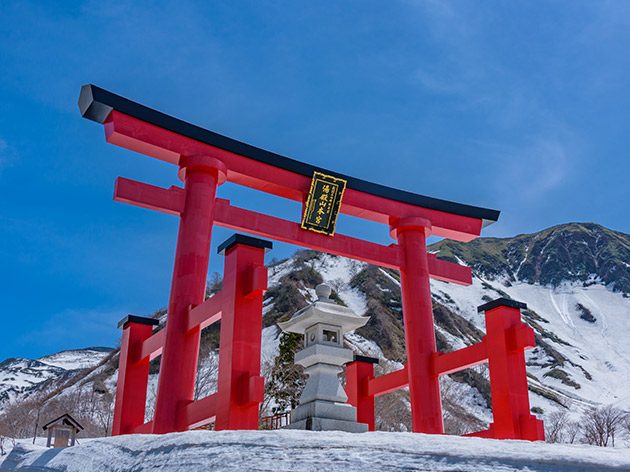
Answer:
(323, 402)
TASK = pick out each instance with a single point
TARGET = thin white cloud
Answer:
(531, 170)
(544, 166)
(534, 145)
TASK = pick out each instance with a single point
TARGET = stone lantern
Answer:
(323, 402)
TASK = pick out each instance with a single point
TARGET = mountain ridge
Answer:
(576, 252)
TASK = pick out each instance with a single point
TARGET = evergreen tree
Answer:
(287, 379)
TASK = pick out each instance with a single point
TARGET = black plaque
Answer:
(322, 206)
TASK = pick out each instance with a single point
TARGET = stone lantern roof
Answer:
(324, 310)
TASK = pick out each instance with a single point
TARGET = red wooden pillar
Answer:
(358, 374)
(178, 367)
(131, 388)
(508, 377)
(240, 387)
(424, 387)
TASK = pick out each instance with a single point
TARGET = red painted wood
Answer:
(239, 390)
(252, 390)
(199, 413)
(145, 428)
(172, 201)
(461, 359)
(147, 196)
(238, 219)
(424, 387)
(205, 314)
(150, 348)
(258, 224)
(508, 378)
(486, 433)
(531, 428)
(389, 382)
(178, 366)
(256, 281)
(131, 388)
(521, 337)
(448, 271)
(358, 374)
(136, 135)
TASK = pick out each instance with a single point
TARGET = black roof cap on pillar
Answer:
(371, 360)
(96, 104)
(137, 319)
(502, 302)
(243, 239)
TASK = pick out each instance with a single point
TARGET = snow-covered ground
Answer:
(312, 451)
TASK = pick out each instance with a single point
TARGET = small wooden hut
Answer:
(63, 431)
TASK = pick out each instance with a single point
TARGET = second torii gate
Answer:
(205, 160)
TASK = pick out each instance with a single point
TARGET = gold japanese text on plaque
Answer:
(322, 206)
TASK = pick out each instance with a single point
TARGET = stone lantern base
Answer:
(321, 415)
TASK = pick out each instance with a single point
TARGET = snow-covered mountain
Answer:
(575, 280)
(23, 376)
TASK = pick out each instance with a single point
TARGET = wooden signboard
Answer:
(322, 205)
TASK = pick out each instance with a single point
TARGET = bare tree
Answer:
(555, 426)
(572, 432)
(626, 425)
(103, 412)
(207, 372)
(457, 420)
(600, 425)
(266, 365)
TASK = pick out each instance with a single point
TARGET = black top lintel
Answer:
(96, 104)
(137, 319)
(502, 302)
(238, 238)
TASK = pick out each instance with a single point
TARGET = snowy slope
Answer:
(312, 451)
(598, 350)
(21, 375)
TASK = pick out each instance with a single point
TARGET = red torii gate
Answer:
(502, 347)
(206, 160)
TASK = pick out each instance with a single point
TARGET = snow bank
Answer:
(312, 451)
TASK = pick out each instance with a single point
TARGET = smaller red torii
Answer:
(240, 387)
(502, 348)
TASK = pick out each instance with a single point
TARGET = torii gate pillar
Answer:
(178, 368)
(424, 387)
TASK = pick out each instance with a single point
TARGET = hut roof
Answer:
(64, 419)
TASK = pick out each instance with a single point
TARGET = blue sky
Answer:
(520, 106)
